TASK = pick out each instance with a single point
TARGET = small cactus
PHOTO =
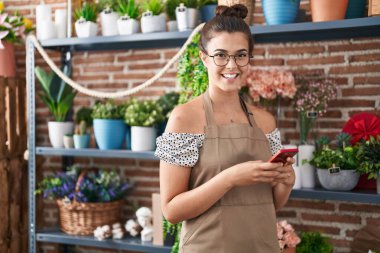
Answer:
(343, 139)
(81, 129)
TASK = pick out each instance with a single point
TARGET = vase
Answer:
(307, 170)
(278, 12)
(327, 10)
(7, 60)
(143, 138)
(109, 133)
(57, 130)
(306, 124)
(355, 9)
(208, 12)
(345, 180)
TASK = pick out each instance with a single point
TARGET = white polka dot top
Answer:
(182, 149)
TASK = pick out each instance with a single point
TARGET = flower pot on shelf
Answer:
(327, 10)
(172, 26)
(108, 20)
(208, 12)
(81, 141)
(355, 9)
(57, 130)
(7, 60)
(153, 23)
(143, 138)
(109, 133)
(68, 141)
(280, 11)
(126, 25)
(85, 28)
(307, 170)
(345, 180)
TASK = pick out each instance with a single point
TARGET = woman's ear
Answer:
(204, 57)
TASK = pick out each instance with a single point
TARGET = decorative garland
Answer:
(117, 94)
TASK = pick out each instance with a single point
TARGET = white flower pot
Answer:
(172, 26)
(345, 180)
(192, 18)
(143, 138)
(307, 171)
(86, 29)
(57, 130)
(298, 173)
(181, 16)
(127, 26)
(150, 23)
(68, 141)
(109, 23)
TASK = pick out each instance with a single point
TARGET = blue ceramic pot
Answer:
(128, 137)
(355, 9)
(109, 133)
(81, 141)
(208, 12)
(278, 12)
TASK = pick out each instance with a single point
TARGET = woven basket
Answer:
(83, 218)
(373, 7)
(250, 4)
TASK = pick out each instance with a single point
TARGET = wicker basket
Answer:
(83, 218)
(373, 7)
(250, 4)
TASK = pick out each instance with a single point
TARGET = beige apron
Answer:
(244, 219)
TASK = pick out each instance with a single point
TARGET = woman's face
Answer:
(231, 76)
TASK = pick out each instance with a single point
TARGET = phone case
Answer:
(283, 154)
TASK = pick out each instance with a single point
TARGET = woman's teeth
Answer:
(229, 76)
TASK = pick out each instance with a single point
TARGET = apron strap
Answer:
(208, 109)
(247, 112)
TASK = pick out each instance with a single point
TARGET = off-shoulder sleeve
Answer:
(274, 139)
(179, 148)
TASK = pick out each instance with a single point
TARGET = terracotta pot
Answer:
(289, 250)
(7, 60)
(327, 10)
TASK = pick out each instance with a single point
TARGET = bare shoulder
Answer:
(187, 118)
(263, 118)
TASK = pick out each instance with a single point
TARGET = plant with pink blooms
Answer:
(13, 27)
(287, 237)
(311, 102)
(268, 84)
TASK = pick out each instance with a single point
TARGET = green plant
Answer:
(167, 103)
(143, 113)
(155, 6)
(175, 231)
(313, 242)
(107, 110)
(81, 129)
(13, 28)
(170, 7)
(106, 5)
(192, 74)
(191, 3)
(343, 155)
(84, 114)
(369, 157)
(128, 8)
(88, 12)
(56, 95)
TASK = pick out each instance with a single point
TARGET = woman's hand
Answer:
(288, 171)
(254, 172)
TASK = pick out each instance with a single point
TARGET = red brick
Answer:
(171, 54)
(146, 66)
(93, 78)
(308, 72)
(355, 69)
(312, 228)
(258, 51)
(371, 91)
(364, 58)
(296, 50)
(286, 214)
(268, 62)
(316, 61)
(376, 112)
(144, 76)
(367, 80)
(351, 103)
(340, 242)
(103, 69)
(148, 184)
(365, 208)
(287, 124)
(150, 164)
(115, 161)
(373, 221)
(331, 218)
(258, 19)
(320, 205)
(331, 124)
(137, 57)
(353, 47)
(141, 173)
(104, 59)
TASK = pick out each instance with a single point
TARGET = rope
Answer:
(117, 94)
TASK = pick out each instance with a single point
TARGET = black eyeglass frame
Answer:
(229, 57)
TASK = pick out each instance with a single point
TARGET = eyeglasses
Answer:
(221, 59)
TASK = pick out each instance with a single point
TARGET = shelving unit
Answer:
(342, 29)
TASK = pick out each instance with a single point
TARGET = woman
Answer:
(214, 173)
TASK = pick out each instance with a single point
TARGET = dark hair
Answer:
(227, 19)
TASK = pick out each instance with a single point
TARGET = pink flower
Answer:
(287, 237)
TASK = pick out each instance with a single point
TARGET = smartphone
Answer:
(283, 154)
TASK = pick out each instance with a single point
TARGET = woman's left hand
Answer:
(287, 175)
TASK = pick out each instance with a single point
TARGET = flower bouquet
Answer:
(86, 198)
(311, 101)
(287, 237)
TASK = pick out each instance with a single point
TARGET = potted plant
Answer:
(68, 141)
(84, 120)
(142, 116)
(153, 17)
(368, 155)
(187, 15)
(58, 98)
(336, 166)
(170, 7)
(109, 127)
(280, 11)
(313, 242)
(129, 12)
(86, 198)
(167, 103)
(85, 20)
(108, 17)
(207, 9)
(326, 10)
(287, 237)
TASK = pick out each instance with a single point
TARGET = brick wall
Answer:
(353, 63)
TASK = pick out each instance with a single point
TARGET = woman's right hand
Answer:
(253, 172)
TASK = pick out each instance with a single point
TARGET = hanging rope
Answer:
(117, 94)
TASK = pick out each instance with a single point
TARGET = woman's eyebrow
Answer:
(225, 51)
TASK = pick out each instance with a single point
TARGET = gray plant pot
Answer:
(345, 180)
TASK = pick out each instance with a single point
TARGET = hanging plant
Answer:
(192, 74)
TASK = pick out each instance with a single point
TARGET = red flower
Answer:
(362, 126)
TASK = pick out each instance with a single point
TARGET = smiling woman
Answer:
(215, 149)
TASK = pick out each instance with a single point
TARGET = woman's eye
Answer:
(220, 56)
(242, 55)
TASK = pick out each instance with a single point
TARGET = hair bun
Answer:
(236, 10)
